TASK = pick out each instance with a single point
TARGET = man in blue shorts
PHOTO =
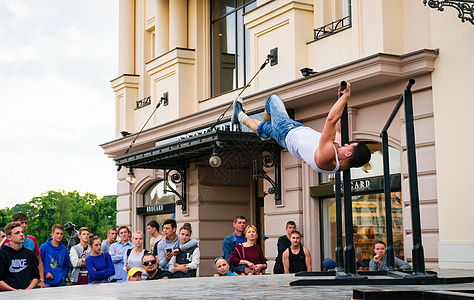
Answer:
(321, 150)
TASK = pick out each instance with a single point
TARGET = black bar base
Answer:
(350, 277)
(382, 281)
(389, 278)
(420, 276)
(370, 294)
(304, 273)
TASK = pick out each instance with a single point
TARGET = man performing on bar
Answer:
(321, 150)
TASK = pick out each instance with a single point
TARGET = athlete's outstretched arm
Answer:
(338, 138)
(325, 155)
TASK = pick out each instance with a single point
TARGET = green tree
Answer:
(59, 207)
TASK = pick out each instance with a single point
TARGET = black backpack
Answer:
(130, 251)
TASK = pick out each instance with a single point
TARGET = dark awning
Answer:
(185, 150)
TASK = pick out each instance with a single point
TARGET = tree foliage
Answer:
(60, 207)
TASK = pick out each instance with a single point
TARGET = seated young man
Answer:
(321, 150)
(297, 258)
(18, 265)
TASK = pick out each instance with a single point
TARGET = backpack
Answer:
(130, 251)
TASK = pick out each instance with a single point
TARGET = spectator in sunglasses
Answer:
(222, 267)
(149, 264)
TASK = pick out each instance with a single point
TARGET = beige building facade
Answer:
(199, 55)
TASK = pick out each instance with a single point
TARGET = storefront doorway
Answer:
(368, 212)
(368, 208)
(157, 206)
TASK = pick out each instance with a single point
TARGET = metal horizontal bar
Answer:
(397, 107)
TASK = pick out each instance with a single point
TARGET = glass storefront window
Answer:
(368, 212)
(158, 218)
(156, 196)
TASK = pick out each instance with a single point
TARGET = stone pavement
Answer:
(242, 287)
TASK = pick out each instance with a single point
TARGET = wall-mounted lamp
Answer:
(130, 176)
(125, 133)
(164, 99)
(367, 168)
(215, 161)
(307, 71)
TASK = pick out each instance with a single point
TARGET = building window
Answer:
(230, 45)
(157, 206)
(337, 17)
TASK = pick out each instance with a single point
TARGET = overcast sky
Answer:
(57, 58)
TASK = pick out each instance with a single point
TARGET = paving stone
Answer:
(241, 287)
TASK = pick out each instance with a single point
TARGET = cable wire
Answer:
(267, 60)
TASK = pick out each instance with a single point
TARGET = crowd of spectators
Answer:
(171, 254)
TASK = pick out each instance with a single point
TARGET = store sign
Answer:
(360, 185)
(143, 102)
(156, 209)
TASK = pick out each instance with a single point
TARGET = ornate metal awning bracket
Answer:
(465, 8)
(270, 159)
(177, 176)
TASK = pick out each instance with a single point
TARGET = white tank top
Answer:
(302, 142)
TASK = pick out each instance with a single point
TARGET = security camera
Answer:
(307, 71)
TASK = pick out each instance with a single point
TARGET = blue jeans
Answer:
(280, 124)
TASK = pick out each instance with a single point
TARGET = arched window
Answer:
(155, 195)
(157, 206)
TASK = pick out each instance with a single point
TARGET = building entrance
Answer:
(368, 212)
(157, 206)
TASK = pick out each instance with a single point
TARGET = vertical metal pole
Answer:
(389, 254)
(417, 252)
(184, 205)
(277, 169)
(339, 251)
(349, 251)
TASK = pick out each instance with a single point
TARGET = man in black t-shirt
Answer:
(283, 244)
(150, 265)
(18, 265)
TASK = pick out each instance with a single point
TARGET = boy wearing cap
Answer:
(134, 274)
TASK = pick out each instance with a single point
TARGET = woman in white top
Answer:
(133, 257)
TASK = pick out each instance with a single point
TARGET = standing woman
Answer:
(249, 253)
(99, 265)
(185, 263)
(133, 257)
